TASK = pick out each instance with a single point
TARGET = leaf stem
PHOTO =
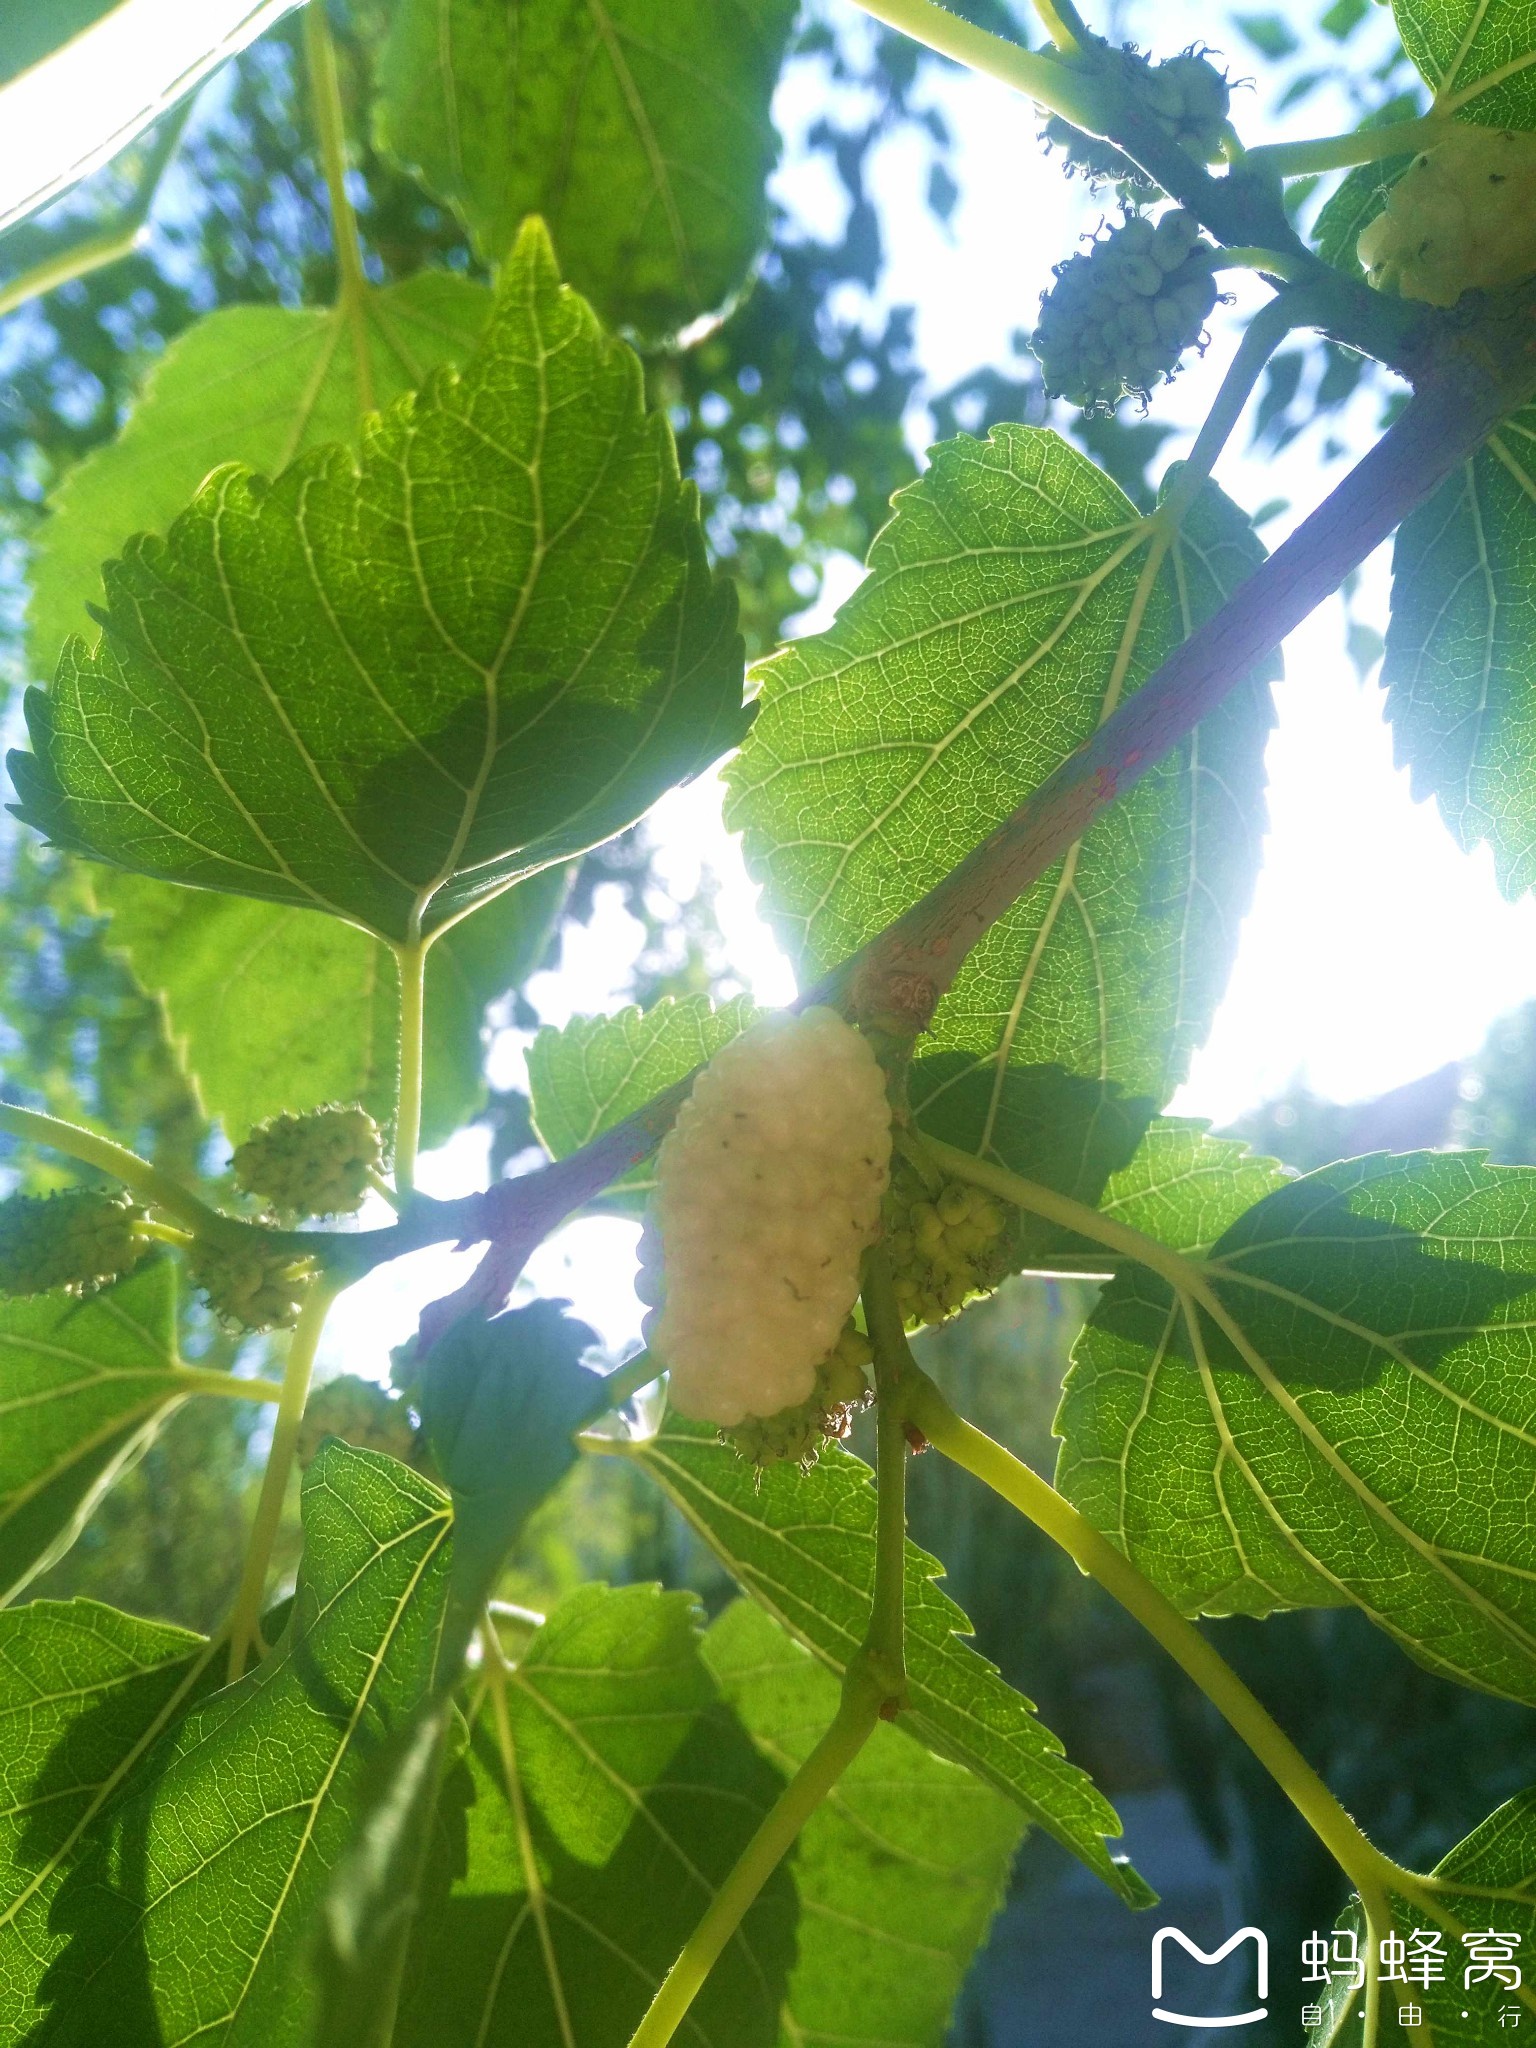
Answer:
(413, 992)
(864, 1694)
(150, 1183)
(1046, 79)
(245, 1621)
(199, 1380)
(1095, 1555)
(1264, 333)
(1250, 256)
(330, 130)
(1062, 23)
(1338, 152)
(621, 1385)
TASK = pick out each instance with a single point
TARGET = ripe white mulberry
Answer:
(1462, 216)
(768, 1191)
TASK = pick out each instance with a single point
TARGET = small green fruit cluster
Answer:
(360, 1412)
(77, 1241)
(946, 1243)
(313, 1165)
(1187, 97)
(249, 1285)
(1121, 315)
(797, 1434)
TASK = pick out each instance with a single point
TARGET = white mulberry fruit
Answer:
(796, 1435)
(1461, 217)
(313, 1165)
(768, 1191)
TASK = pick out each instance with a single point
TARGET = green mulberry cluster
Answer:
(797, 1434)
(360, 1412)
(77, 1241)
(1120, 316)
(1187, 97)
(314, 1165)
(248, 1285)
(947, 1242)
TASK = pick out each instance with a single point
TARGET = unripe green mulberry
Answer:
(1121, 315)
(1187, 97)
(313, 1165)
(249, 1285)
(78, 1240)
(360, 1412)
(947, 1243)
(797, 1434)
(1461, 217)
(768, 1191)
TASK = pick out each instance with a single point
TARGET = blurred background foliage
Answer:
(795, 416)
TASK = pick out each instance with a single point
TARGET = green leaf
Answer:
(1014, 599)
(1185, 1187)
(504, 606)
(1356, 1424)
(803, 1545)
(1460, 668)
(84, 1692)
(259, 385)
(326, 994)
(1489, 1887)
(84, 1385)
(190, 1902)
(640, 129)
(624, 1792)
(898, 1873)
(1475, 57)
(501, 1402)
(594, 1071)
(251, 384)
(1069, 1133)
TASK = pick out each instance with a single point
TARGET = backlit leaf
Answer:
(385, 688)
(588, 1833)
(1460, 667)
(1355, 1423)
(84, 1385)
(1014, 599)
(190, 1900)
(1476, 57)
(803, 1545)
(1489, 1889)
(326, 995)
(638, 128)
(84, 1692)
(898, 1872)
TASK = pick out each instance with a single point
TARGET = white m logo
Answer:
(1238, 2019)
